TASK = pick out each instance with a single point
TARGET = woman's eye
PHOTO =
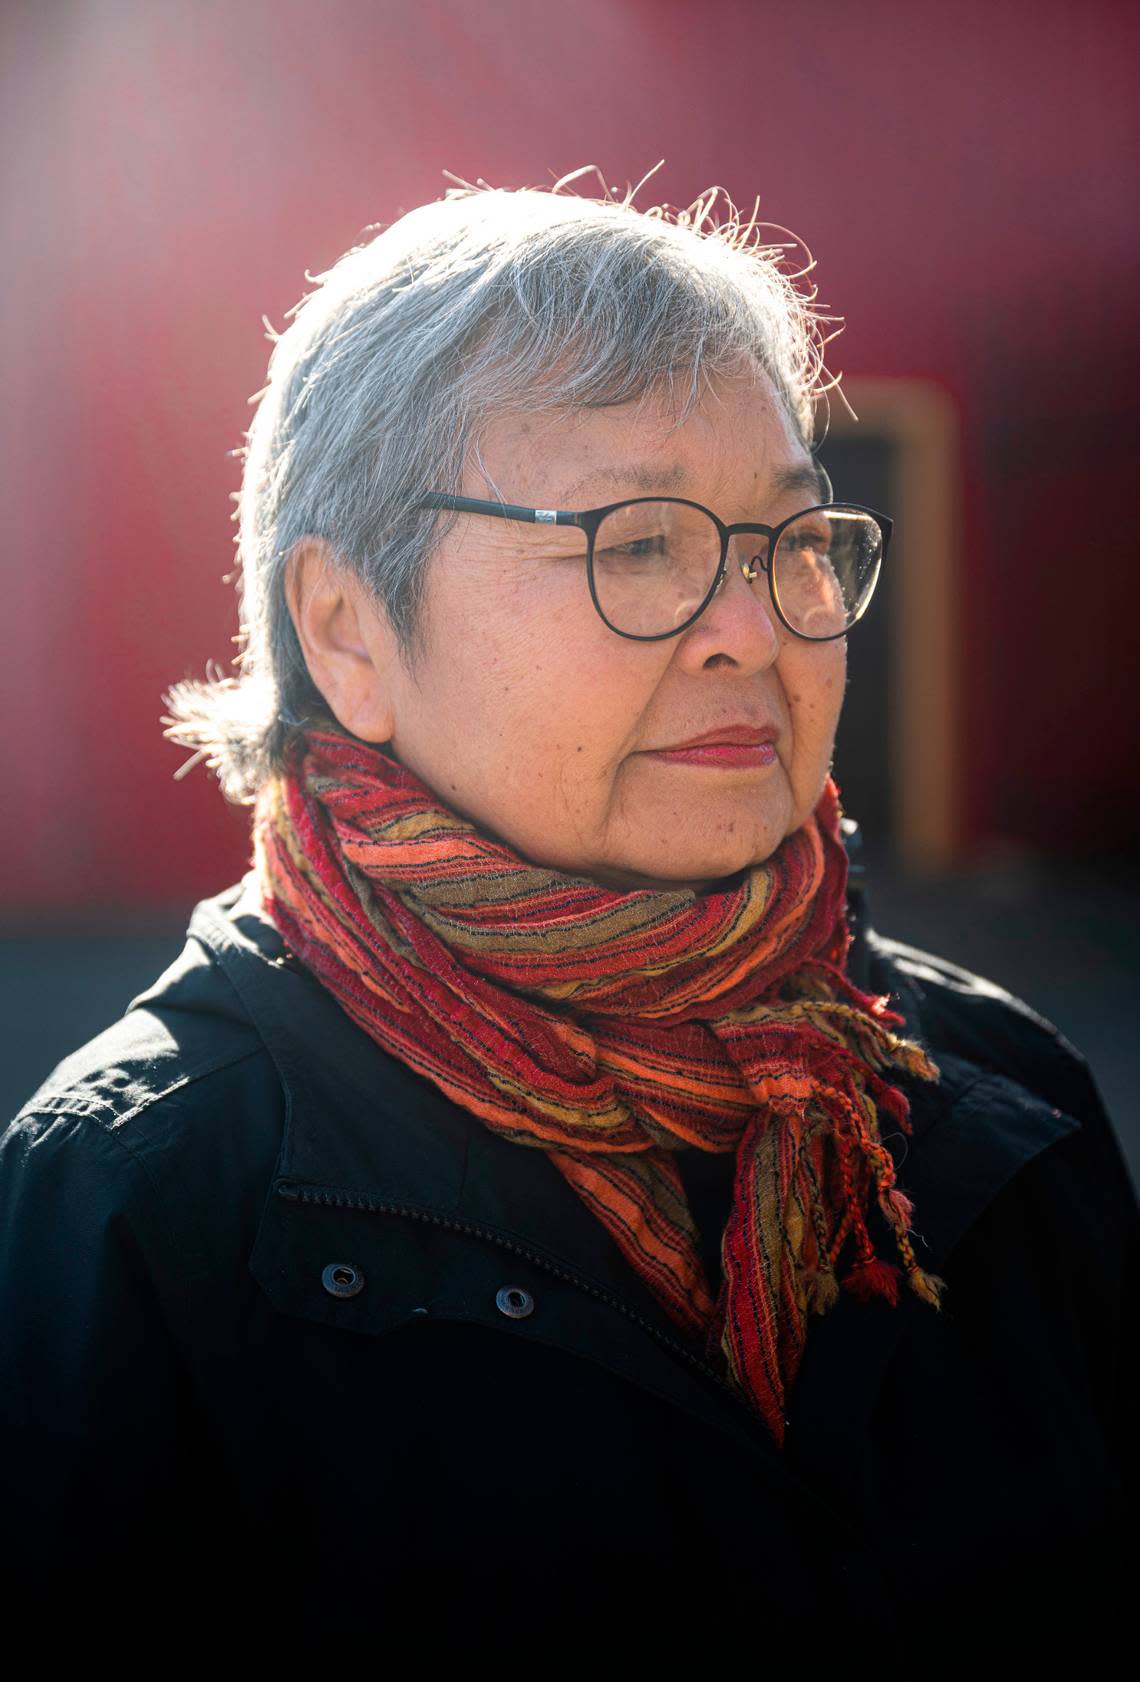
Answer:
(633, 550)
(816, 542)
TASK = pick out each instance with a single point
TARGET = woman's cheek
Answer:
(815, 700)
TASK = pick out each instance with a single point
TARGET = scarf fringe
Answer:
(820, 1289)
(870, 1279)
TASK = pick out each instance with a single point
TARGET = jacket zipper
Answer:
(338, 1200)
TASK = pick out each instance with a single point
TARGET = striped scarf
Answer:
(612, 1028)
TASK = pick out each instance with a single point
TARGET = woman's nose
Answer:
(751, 561)
(740, 621)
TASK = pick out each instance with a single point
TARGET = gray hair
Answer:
(483, 303)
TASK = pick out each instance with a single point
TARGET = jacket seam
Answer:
(64, 1103)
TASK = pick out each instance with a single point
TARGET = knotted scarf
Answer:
(612, 1028)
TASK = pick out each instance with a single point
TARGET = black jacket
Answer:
(289, 1339)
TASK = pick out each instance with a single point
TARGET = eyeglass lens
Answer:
(655, 563)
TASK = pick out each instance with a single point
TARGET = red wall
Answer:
(967, 175)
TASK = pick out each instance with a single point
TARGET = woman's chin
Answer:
(699, 872)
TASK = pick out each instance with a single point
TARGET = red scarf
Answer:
(613, 1027)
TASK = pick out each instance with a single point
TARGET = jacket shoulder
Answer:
(188, 1024)
(958, 1014)
(177, 1096)
(1019, 1150)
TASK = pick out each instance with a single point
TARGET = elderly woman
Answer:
(535, 1193)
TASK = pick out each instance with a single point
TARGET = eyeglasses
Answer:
(655, 563)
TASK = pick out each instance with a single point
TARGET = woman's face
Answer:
(522, 709)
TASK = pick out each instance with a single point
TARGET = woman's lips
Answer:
(724, 756)
(727, 747)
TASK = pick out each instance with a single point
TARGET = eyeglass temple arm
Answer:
(503, 510)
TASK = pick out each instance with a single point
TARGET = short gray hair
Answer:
(483, 303)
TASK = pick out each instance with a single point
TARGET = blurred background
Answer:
(967, 178)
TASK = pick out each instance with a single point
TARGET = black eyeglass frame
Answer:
(589, 520)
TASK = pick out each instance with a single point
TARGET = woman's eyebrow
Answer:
(805, 476)
(646, 476)
(650, 476)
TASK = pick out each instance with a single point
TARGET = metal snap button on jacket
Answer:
(514, 1302)
(342, 1279)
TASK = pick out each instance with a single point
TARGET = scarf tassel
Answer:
(870, 1276)
(867, 1280)
(821, 1289)
(928, 1286)
(873, 1278)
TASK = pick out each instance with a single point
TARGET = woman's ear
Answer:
(349, 645)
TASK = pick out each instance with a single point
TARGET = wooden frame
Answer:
(920, 424)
